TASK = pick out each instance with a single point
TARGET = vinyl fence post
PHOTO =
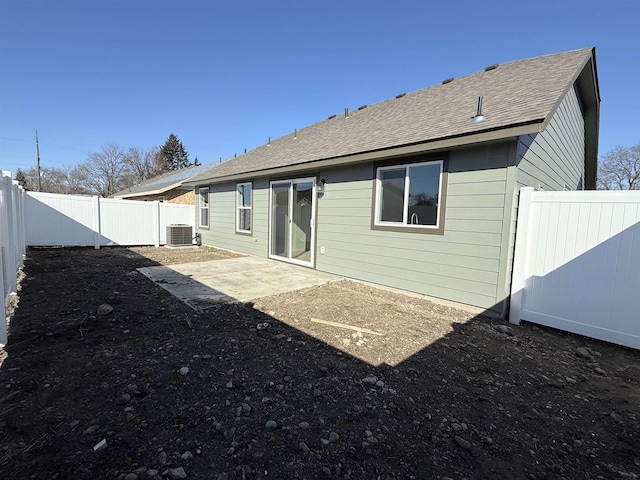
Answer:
(22, 248)
(5, 247)
(156, 223)
(97, 236)
(3, 317)
(518, 279)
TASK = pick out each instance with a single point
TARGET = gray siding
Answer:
(462, 265)
(222, 217)
(554, 158)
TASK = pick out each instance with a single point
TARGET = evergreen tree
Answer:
(173, 154)
(196, 162)
(21, 178)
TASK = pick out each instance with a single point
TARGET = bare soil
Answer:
(343, 381)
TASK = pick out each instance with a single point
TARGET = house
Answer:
(418, 192)
(168, 187)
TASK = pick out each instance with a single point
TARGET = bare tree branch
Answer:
(619, 169)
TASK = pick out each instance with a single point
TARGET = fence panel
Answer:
(12, 245)
(137, 227)
(577, 263)
(60, 220)
(171, 214)
(75, 220)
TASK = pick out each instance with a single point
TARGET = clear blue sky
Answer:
(225, 75)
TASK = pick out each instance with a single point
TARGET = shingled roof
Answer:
(522, 94)
(164, 182)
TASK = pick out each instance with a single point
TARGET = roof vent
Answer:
(362, 107)
(332, 116)
(479, 117)
(491, 67)
(448, 80)
(400, 95)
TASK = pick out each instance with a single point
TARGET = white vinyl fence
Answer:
(75, 220)
(12, 242)
(577, 263)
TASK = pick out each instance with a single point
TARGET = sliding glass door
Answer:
(292, 220)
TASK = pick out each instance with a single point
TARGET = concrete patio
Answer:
(204, 284)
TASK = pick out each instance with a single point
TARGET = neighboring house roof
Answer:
(165, 182)
(519, 97)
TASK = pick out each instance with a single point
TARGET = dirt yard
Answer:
(342, 381)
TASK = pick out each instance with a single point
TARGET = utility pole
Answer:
(38, 153)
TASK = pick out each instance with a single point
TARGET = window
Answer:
(243, 207)
(203, 206)
(409, 195)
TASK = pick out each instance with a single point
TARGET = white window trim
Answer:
(201, 208)
(404, 223)
(239, 207)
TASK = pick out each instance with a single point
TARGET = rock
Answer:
(186, 455)
(129, 409)
(326, 471)
(104, 309)
(74, 424)
(456, 427)
(462, 443)
(270, 425)
(303, 425)
(100, 446)
(317, 392)
(131, 476)
(152, 473)
(183, 370)
(571, 380)
(370, 380)
(599, 371)
(333, 437)
(280, 336)
(90, 430)
(123, 399)
(583, 352)
(246, 407)
(230, 385)
(503, 329)
(304, 447)
(162, 458)
(177, 473)
(380, 383)
(262, 326)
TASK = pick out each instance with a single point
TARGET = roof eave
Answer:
(512, 131)
(149, 192)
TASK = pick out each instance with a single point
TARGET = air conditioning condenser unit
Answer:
(179, 235)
